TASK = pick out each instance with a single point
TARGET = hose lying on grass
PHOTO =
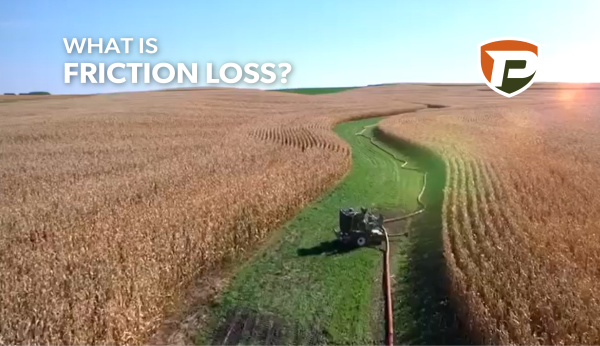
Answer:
(386, 266)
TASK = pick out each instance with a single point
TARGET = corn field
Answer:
(521, 217)
(112, 205)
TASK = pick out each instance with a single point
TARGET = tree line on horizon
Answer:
(29, 93)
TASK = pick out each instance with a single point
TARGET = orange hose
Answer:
(389, 316)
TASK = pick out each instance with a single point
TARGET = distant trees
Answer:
(39, 93)
(30, 93)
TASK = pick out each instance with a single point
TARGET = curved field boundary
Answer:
(302, 138)
(422, 205)
(301, 279)
(298, 286)
(422, 299)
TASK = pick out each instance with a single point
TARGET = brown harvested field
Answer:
(111, 205)
(521, 214)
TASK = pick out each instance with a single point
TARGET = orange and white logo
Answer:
(508, 64)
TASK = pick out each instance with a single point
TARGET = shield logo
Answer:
(508, 64)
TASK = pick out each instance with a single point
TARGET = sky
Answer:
(328, 43)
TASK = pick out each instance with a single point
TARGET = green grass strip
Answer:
(316, 91)
(330, 293)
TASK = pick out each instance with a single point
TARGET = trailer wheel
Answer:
(361, 241)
